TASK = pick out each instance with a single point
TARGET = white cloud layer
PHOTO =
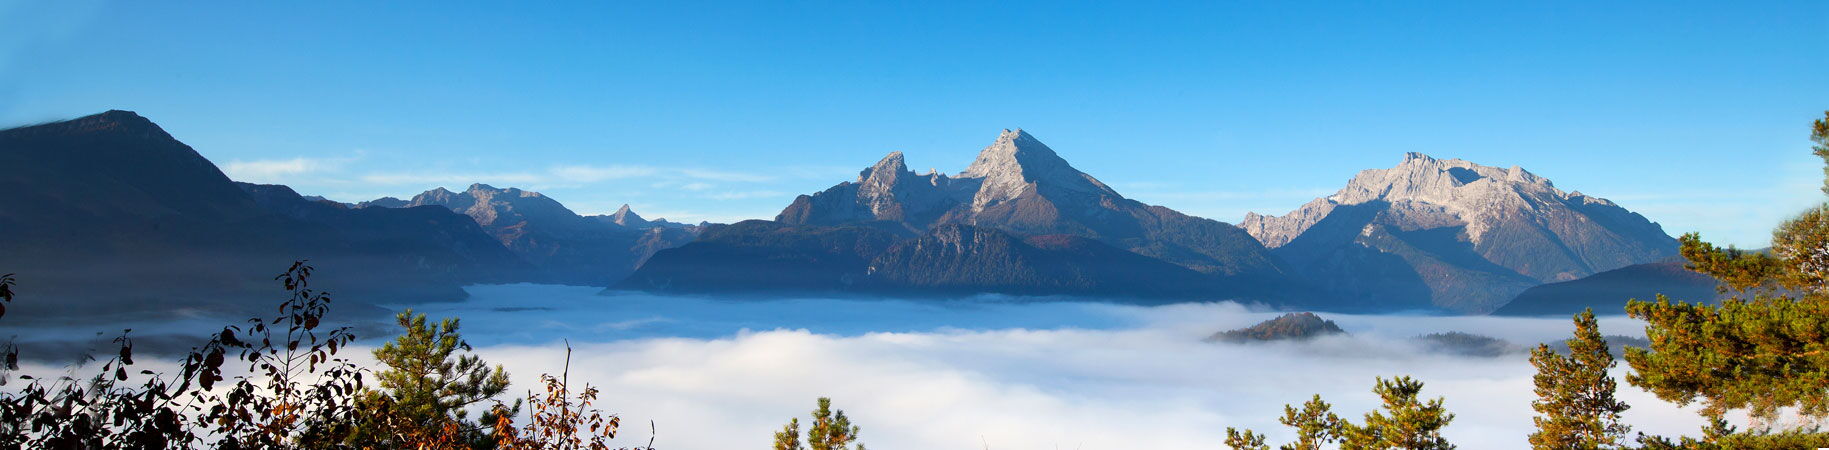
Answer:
(920, 375)
(718, 373)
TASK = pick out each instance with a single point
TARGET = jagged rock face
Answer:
(500, 208)
(1019, 185)
(887, 191)
(1018, 164)
(1462, 236)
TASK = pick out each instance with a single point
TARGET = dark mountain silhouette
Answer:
(1454, 235)
(963, 259)
(1293, 326)
(764, 256)
(951, 260)
(110, 214)
(431, 232)
(1607, 292)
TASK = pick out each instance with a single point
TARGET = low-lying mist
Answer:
(995, 372)
(988, 372)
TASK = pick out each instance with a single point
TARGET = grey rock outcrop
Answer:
(887, 191)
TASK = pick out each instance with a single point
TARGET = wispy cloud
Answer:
(454, 178)
(570, 176)
(592, 174)
(1205, 195)
(282, 170)
(741, 195)
(722, 175)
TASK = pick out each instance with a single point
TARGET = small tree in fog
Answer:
(1405, 422)
(1315, 426)
(831, 430)
(1575, 403)
(428, 383)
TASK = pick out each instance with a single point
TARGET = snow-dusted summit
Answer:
(1459, 235)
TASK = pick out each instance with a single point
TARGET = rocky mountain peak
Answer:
(1472, 194)
(1017, 163)
(1452, 182)
(628, 218)
(492, 206)
(889, 167)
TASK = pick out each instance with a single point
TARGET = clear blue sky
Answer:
(1693, 113)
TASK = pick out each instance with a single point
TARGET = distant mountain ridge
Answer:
(1607, 292)
(565, 247)
(1455, 235)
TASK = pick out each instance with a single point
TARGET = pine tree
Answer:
(1764, 350)
(1410, 424)
(1575, 402)
(428, 383)
(789, 436)
(1315, 424)
(831, 430)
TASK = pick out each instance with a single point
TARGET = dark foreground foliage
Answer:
(293, 391)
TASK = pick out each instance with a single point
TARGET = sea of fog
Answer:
(988, 372)
(994, 372)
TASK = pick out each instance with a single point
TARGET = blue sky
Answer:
(1692, 113)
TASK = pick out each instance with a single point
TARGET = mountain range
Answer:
(1019, 220)
(563, 246)
(113, 214)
